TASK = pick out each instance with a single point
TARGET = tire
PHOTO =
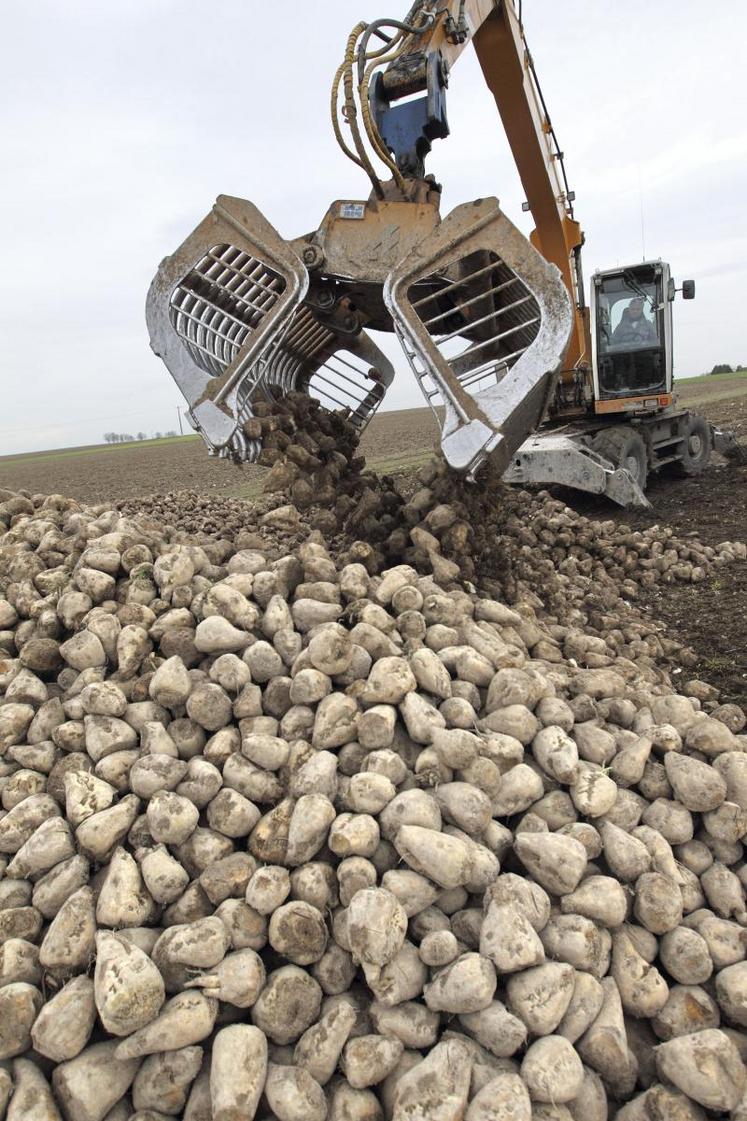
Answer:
(696, 448)
(623, 447)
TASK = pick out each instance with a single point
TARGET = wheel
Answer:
(696, 448)
(623, 447)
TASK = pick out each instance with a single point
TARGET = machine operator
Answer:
(634, 327)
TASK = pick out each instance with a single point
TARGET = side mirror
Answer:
(688, 289)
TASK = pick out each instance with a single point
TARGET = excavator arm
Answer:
(497, 34)
(487, 319)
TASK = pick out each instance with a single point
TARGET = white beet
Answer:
(129, 989)
(238, 1071)
(310, 833)
(64, 1025)
(90, 1084)
(552, 1070)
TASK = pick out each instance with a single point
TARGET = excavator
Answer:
(517, 366)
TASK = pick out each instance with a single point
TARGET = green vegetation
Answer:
(403, 464)
(247, 491)
(740, 372)
(397, 464)
(711, 389)
(718, 662)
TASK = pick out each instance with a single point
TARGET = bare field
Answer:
(394, 442)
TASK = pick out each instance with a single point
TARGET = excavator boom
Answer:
(487, 319)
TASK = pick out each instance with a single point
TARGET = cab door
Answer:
(631, 333)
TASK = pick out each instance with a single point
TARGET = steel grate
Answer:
(217, 306)
(224, 298)
(482, 318)
(310, 357)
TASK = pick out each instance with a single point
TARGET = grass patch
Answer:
(403, 463)
(248, 491)
(710, 377)
(711, 398)
(718, 663)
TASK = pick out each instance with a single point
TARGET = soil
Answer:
(710, 617)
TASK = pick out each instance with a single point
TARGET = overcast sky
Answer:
(120, 121)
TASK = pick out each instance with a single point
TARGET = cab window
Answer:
(630, 357)
(627, 318)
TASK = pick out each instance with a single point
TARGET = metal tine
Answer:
(214, 330)
(484, 319)
(487, 372)
(484, 369)
(304, 340)
(241, 290)
(303, 327)
(438, 380)
(328, 392)
(305, 345)
(326, 381)
(237, 334)
(511, 330)
(314, 338)
(266, 361)
(204, 338)
(252, 299)
(229, 266)
(297, 340)
(196, 317)
(241, 275)
(350, 366)
(467, 303)
(340, 374)
(259, 309)
(458, 283)
(202, 349)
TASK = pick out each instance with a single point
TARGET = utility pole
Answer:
(179, 414)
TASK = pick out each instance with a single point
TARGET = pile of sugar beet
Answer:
(395, 817)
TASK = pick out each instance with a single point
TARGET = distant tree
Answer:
(171, 432)
(722, 368)
(109, 437)
(142, 435)
(158, 435)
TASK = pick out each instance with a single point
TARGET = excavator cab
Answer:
(632, 333)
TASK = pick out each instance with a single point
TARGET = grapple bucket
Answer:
(228, 313)
(482, 317)
(484, 321)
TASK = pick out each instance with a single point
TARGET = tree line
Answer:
(127, 438)
(725, 368)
